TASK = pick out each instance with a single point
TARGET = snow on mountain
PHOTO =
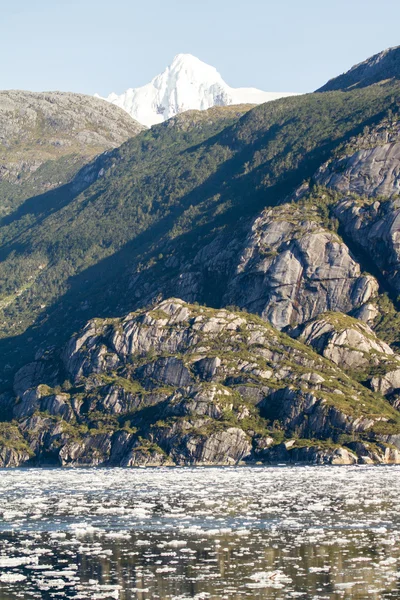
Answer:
(187, 84)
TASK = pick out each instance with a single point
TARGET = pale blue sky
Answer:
(109, 45)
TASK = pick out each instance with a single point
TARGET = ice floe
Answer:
(293, 532)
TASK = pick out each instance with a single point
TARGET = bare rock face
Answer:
(375, 453)
(354, 347)
(293, 269)
(366, 175)
(93, 451)
(10, 457)
(222, 447)
(311, 416)
(367, 313)
(348, 342)
(225, 447)
(186, 384)
(357, 452)
(28, 377)
(314, 454)
(43, 400)
(374, 227)
(144, 458)
(368, 172)
(387, 383)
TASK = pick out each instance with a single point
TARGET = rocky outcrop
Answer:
(374, 227)
(93, 450)
(354, 347)
(288, 265)
(311, 416)
(292, 269)
(14, 449)
(41, 399)
(11, 457)
(291, 452)
(186, 384)
(186, 446)
(357, 452)
(348, 342)
(387, 383)
(366, 177)
(146, 457)
(369, 172)
(378, 452)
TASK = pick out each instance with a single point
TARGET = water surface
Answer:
(204, 533)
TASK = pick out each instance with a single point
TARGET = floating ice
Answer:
(6, 561)
(230, 532)
(11, 577)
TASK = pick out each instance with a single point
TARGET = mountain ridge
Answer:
(381, 67)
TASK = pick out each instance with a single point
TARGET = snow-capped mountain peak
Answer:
(187, 84)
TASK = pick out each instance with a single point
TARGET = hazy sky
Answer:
(109, 45)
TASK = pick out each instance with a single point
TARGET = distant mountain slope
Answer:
(45, 138)
(380, 67)
(187, 84)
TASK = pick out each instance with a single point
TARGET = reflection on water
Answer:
(231, 533)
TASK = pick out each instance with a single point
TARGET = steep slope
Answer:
(187, 84)
(45, 138)
(365, 176)
(173, 213)
(184, 384)
(294, 266)
(379, 68)
(91, 230)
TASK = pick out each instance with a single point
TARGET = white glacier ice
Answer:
(187, 84)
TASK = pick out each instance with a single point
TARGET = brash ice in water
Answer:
(204, 533)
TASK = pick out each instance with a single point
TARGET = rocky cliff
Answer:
(186, 384)
(288, 265)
